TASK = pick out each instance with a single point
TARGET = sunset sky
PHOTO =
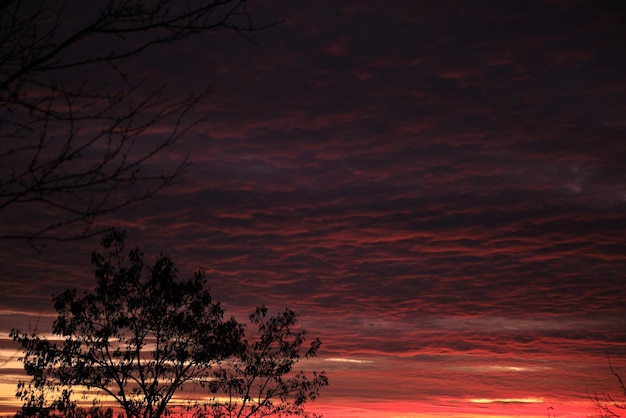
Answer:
(436, 188)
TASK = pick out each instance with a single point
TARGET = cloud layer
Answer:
(438, 190)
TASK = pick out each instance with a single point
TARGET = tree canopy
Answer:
(144, 336)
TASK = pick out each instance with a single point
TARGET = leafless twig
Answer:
(80, 135)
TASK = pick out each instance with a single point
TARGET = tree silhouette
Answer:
(80, 130)
(254, 384)
(605, 402)
(143, 336)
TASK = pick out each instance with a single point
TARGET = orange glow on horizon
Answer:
(507, 400)
(460, 409)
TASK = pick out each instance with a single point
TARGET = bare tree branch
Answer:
(606, 404)
(80, 136)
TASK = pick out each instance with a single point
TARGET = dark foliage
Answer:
(143, 336)
(255, 383)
